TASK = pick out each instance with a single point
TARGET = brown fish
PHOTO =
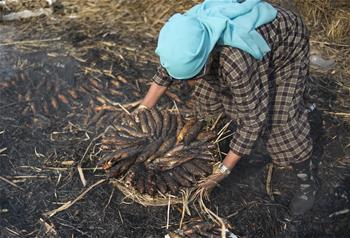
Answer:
(158, 119)
(120, 168)
(129, 130)
(73, 93)
(115, 156)
(206, 157)
(204, 166)
(183, 173)
(167, 163)
(150, 183)
(192, 169)
(206, 136)
(151, 123)
(130, 177)
(180, 123)
(171, 183)
(166, 123)
(63, 99)
(132, 122)
(193, 132)
(165, 146)
(173, 125)
(149, 150)
(143, 122)
(184, 130)
(161, 185)
(140, 184)
(182, 181)
(175, 150)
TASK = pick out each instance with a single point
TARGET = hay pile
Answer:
(328, 18)
(20, 5)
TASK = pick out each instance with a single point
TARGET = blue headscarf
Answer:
(186, 40)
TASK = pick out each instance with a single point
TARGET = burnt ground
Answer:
(47, 137)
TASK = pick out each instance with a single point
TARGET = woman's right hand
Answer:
(154, 93)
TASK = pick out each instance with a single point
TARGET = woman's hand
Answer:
(220, 172)
(153, 94)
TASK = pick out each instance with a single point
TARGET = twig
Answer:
(268, 181)
(81, 175)
(342, 114)
(3, 150)
(215, 218)
(168, 213)
(345, 211)
(216, 122)
(328, 43)
(89, 146)
(29, 41)
(70, 203)
(109, 200)
(9, 182)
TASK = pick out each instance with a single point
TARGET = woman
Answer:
(249, 60)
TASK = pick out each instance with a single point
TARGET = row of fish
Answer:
(157, 151)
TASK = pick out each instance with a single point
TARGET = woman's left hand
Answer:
(210, 182)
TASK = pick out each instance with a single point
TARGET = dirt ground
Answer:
(47, 132)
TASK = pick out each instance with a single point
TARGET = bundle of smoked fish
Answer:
(156, 151)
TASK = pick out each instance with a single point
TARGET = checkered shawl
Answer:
(264, 98)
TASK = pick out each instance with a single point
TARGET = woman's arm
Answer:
(154, 93)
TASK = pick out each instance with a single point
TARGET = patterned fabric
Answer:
(264, 98)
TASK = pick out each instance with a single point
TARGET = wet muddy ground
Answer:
(53, 82)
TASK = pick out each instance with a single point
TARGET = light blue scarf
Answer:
(186, 40)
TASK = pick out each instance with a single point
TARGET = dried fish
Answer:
(180, 123)
(181, 180)
(151, 123)
(193, 132)
(54, 103)
(171, 183)
(167, 163)
(63, 99)
(158, 119)
(203, 166)
(173, 125)
(73, 93)
(206, 136)
(131, 122)
(166, 123)
(143, 122)
(192, 169)
(120, 168)
(188, 125)
(129, 130)
(183, 173)
(115, 156)
(151, 149)
(140, 184)
(176, 149)
(164, 147)
(150, 183)
(161, 185)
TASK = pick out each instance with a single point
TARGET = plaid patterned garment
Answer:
(264, 98)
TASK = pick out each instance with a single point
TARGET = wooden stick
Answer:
(10, 182)
(268, 181)
(71, 203)
(81, 175)
(29, 41)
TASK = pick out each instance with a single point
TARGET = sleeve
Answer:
(162, 78)
(240, 72)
